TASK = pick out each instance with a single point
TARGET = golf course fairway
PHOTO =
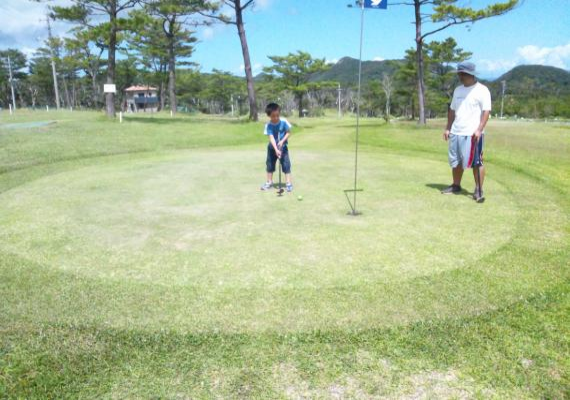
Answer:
(141, 260)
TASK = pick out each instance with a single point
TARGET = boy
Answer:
(467, 117)
(278, 129)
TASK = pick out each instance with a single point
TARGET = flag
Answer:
(379, 4)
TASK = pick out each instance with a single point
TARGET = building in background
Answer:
(141, 99)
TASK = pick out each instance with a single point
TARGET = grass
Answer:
(139, 260)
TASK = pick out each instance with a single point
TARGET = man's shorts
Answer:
(465, 152)
(272, 160)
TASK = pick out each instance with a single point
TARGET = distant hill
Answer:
(533, 81)
(526, 84)
(345, 71)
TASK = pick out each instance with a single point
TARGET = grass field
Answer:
(140, 260)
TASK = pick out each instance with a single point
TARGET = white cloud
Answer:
(331, 61)
(378, 59)
(208, 33)
(255, 68)
(263, 4)
(557, 56)
(23, 25)
(495, 65)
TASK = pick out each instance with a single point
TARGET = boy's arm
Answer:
(285, 138)
(274, 145)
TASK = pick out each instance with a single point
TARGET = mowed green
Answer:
(140, 260)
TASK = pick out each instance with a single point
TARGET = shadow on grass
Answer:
(439, 187)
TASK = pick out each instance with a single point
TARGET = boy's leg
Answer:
(286, 164)
(270, 163)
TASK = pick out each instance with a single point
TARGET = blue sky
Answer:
(536, 33)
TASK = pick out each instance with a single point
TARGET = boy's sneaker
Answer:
(267, 186)
(289, 187)
(478, 196)
(453, 189)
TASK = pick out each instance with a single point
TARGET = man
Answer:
(466, 120)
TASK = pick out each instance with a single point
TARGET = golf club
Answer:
(280, 189)
(477, 166)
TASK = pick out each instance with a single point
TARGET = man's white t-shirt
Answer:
(468, 104)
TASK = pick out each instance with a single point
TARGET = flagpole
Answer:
(354, 212)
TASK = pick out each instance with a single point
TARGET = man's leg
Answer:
(478, 171)
(455, 162)
(480, 177)
(457, 175)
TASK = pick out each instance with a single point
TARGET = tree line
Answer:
(156, 40)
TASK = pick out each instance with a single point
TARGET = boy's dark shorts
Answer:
(272, 160)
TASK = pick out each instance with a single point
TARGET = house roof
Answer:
(140, 88)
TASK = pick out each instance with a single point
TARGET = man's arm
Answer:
(450, 119)
(484, 119)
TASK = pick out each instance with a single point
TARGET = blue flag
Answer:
(379, 4)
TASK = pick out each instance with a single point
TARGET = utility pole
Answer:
(53, 69)
(12, 83)
(504, 88)
(339, 100)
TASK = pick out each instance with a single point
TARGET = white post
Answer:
(171, 113)
(503, 89)
(53, 68)
(11, 111)
(120, 117)
(339, 100)
(232, 100)
(11, 77)
(47, 108)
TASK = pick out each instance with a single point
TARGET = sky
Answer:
(538, 32)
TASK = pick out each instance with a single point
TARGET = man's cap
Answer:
(467, 68)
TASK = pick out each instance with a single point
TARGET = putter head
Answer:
(280, 192)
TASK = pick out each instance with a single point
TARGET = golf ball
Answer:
(300, 198)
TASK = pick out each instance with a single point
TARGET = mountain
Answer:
(533, 81)
(345, 71)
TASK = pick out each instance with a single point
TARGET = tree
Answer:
(150, 45)
(221, 87)
(173, 15)
(87, 45)
(88, 13)
(18, 62)
(406, 82)
(442, 55)
(388, 87)
(445, 14)
(239, 6)
(293, 72)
